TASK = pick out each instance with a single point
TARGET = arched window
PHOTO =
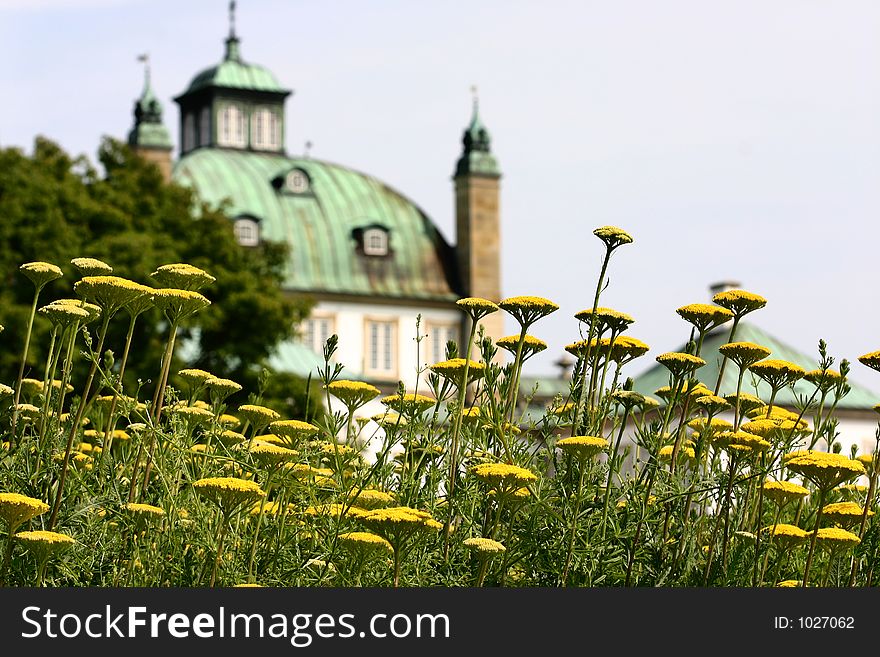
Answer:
(232, 126)
(297, 181)
(247, 231)
(375, 242)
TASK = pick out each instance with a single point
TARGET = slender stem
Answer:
(724, 360)
(612, 461)
(814, 536)
(24, 355)
(574, 522)
(219, 556)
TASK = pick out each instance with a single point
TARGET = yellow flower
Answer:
(43, 544)
(504, 475)
(144, 513)
(221, 388)
(41, 273)
(606, 318)
(369, 498)
(712, 404)
(825, 380)
(258, 415)
(680, 363)
(626, 348)
(747, 402)
(741, 439)
(824, 469)
(195, 378)
(454, 369)
(17, 509)
(835, 538)
(626, 398)
(193, 415)
(789, 584)
(783, 492)
(844, 513)
(613, 236)
(364, 542)
(869, 461)
(270, 456)
(582, 446)
(778, 373)
(528, 310)
(704, 315)
(28, 412)
(179, 304)
(484, 547)
(229, 438)
(743, 354)
(353, 394)
(91, 266)
(872, 360)
(717, 424)
(409, 404)
(476, 307)
(336, 511)
(739, 302)
(229, 421)
(788, 534)
(293, 430)
(182, 276)
(229, 493)
(684, 451)
(396, 521)
(93, 310)
(531, 345)
(63, 314)
(109, 292)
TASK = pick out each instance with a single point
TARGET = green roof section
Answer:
(148, 130)
(321, 225)
(297, 358)
(476, 157)
(658, 376)
(234, 73)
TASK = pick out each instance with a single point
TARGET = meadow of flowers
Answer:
(105, 486)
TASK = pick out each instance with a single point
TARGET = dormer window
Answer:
(297, 181)
(247, 231)
(376, 242)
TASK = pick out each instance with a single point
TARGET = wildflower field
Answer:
(169, 484)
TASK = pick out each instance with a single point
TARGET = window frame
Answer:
(253, 224)
(371, 250)
(433, 348)
(317, 317)
(391, 355)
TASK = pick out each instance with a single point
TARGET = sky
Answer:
(735, 140)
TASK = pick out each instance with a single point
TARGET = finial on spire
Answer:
(232, 52)
(231, 19)
(144, 59)
(309, 145)
(476, 96)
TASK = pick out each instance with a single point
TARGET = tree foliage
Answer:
(56, 207)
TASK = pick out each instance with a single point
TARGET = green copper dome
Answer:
(322, 211)
(148, 130)
(233, 73)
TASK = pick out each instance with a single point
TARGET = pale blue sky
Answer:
(734, 139)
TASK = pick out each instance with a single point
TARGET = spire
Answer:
(232, 51)
(148, 130)
(476, 154)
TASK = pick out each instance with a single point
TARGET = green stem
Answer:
(24, 355)
(574, 522)
(822, 493)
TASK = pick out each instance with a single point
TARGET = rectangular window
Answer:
(438, 335)
(205, 127)
(381, 349)
(315, 331)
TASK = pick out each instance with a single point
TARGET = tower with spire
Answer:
(149, 137)
(478, 219)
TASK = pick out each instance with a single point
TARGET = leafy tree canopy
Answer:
(55, 207)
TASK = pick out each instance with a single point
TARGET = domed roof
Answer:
(322, 220)
(233, 73)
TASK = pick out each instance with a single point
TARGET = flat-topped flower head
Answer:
(39, 273)
(178, 304)
(394, 521)
(605, 319)
(44, 544)
(477, 307)
(17, 509)
(739, 302)
(143, 514)
(293, 430)
(747, 402)
(704, 316)
(193, 415)
(503, 475)
(109, 292)
(409, 404)
(183, 276)
(582, 447)
(528, 310)
(91, 266)
(680, 363)
(685, 452)
(846, 514)
(6, 391)
(230, 438)
(835, 538)
(484, 547)
(712, 404)
(739, 440)
(778, 373)
(743, 354)
(390, 420)
(454, 370)
(31, 387)
(625, 348)
(530, 346)
(258, 415)
(271, 456)
(353, 394)
(93, 310)
(220, 389)
(63, 315)
(789, 584)
(370, 498)
(628, 398)
(229, 421)
(362, 543)
(825, 380)
(826, 470)
(869, 461)
(788, 535)
(613, 236)
(229, 493)
(871, 359)
(28, 412)
(783, 492)
(193, 377)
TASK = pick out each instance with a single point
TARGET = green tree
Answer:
(55, 207)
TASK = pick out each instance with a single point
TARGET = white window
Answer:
(438, 336)
(381, 349)
(297, 181)
(247, 232)
(205, 127)
(315, 331)
(375, 242)
(232, 124)
(189, 132)
(265, 129)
